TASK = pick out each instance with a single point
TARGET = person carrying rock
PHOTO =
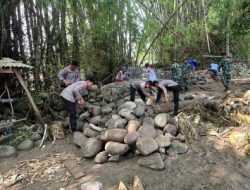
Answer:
(225, 65)
(151, 73)
(121, 75)
(72, 95)
(163, 87)
(140, 87)
(176, 71)
(69, 74)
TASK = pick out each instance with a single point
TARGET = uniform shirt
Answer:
(139, 85)
(193, 63)
(167, 83)
(151, 74)
(75, 91)
(214, 66)
(69, 75)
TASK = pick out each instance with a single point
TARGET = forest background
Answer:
(104, 35)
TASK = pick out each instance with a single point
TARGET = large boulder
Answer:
(91, 148)
(79, 138)
(164, 140)
(153, 161)
(7, 151)
(96, 120)
(96, 110)
(128, 105)
(101, 157)
(126, 113)
(106, 110)
(146, 145)
(116, 135)
(149, 121)
(116, 148)
(27, 144)
(146, 130)
(133, 125)
(177, 148)
(131, 137)
(88, 132)
(161, 120)
(139, 111)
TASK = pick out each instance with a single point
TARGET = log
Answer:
(241, 81)
(33, 105)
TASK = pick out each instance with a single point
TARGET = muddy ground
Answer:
(213, 164)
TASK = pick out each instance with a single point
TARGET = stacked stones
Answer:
(123, 129)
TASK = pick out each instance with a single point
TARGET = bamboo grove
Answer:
(105, 34)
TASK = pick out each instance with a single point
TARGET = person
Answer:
(121, 75)
(186, 69)
(194, 63)
(151, 72)
(69, 74)
(140, 87)
(163, 87)
(225, 65)
(72, 95)
(176, 71)
(213, 69)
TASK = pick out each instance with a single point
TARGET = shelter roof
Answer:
(10, 63)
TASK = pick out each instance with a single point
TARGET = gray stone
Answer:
(153, 161)
(119, 123)
(101, 157)
(170, 128)
(139, 111)
(115, 116)
(150, 113)
(114, 158)
(96, 110)
(149, 121)
(7, 151)
(162, 119)
(163, 140)
(106, 110)
(92, 185)
(128, 105)
(36, 137)
(162, 150)
(116, 135)
(126, 113)
(25, 145)
(159, 132)
(146, 145)
(194, 81)
(140, 102)
(79, 125)
(133, 125)
(91, 147)
(96, 120)
(177, 148)
(84, 115)
(79, 139)
(131, 137)
(188, 97)
(147, 131)
(90, 132)
(180, 138)
(116, 148)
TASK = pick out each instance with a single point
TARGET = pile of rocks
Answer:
(116, 131)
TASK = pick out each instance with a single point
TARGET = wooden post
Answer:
(34, 107)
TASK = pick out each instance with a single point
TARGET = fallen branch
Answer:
(44, 135)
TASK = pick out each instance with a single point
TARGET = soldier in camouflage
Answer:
(186, 69)
(176, 71)
(225, 65)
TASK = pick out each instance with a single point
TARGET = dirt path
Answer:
(214, 165)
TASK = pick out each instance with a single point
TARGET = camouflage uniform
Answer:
(176, 72)
(225, 64)
(186, 69)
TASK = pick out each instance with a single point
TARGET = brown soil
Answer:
(214, 164)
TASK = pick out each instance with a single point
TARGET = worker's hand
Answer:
(66, 82)
(81, 101)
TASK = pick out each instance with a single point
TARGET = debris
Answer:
(74, 168)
